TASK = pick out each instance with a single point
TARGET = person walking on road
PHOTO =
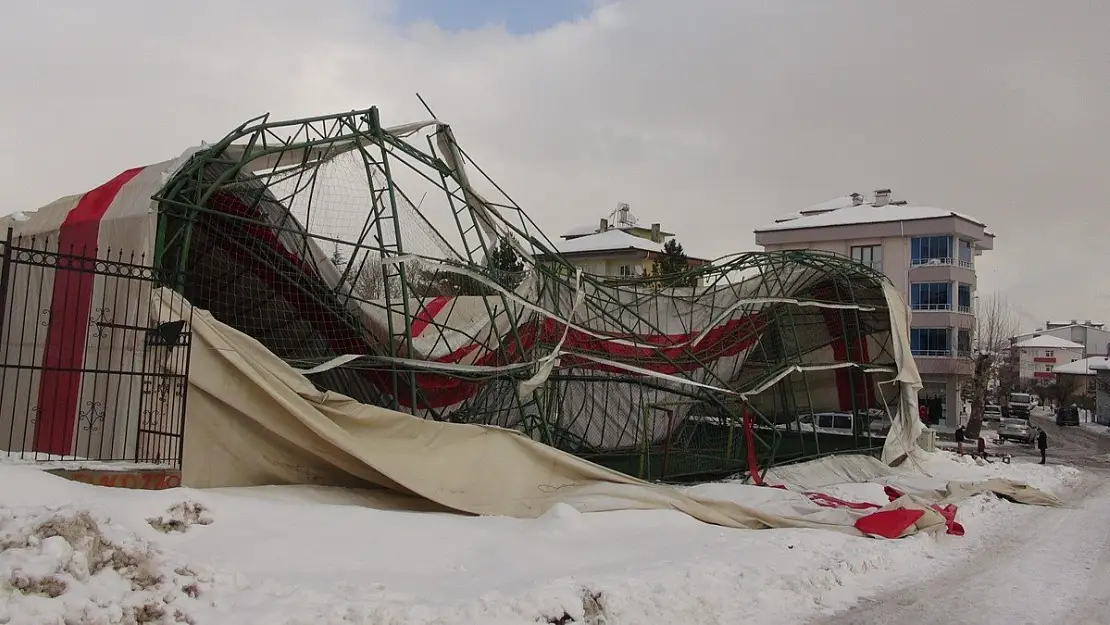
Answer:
(1042, 444)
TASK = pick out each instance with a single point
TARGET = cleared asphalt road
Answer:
(1053, 569)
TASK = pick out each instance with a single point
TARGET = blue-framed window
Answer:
(967, 253)
(963, 298)
(931, 296)
(931, 250)
(930, 341)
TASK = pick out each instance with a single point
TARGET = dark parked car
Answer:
(1067, 415)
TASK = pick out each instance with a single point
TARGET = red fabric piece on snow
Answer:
(888, 523)
(828, 501)
(948, 512)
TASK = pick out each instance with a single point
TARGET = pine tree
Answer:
(338, 258)
(506, 265)
(671, 264)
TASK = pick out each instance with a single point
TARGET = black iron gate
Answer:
(91, 367)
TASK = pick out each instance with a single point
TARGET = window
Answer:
(626, 270)
(963, 298)
(1048, 353)
(963, 343)
(931, 296)
(842, 422)
(931, 250)
(930, 342)
(1048, 368)
(870, 255)
(967, 253)
(824, 421)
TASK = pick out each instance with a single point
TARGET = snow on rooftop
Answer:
(581, 231)
(609, 240)
(862, 214)
(1049, 341)
(1086, 366)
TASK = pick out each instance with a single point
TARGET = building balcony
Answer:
(941, 262)
(945, 362)
(943, 308)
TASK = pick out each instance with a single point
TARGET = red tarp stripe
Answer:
(67, 329)
(427, 314)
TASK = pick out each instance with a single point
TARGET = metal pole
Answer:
(5, 278)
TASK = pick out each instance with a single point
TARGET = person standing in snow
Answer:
(1042, 444)
(960, 436)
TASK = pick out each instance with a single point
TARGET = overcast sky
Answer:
(713, 117)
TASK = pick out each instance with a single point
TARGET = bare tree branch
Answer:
(995, 326)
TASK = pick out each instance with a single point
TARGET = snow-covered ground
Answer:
(75, 553)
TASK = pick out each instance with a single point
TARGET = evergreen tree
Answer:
(671, 264)
(506, 265)
(338, 258)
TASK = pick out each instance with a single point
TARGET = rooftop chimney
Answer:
(857, 199)
(882, 197)
(604, 225)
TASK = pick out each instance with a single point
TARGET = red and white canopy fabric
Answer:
(47, 379)
(678, 340)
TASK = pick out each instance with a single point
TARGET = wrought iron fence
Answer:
(88, 369)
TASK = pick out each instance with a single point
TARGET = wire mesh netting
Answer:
(368, 258)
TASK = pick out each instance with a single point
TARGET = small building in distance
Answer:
(1038, 357)
(618, 247)
(1079, 377)
(1094, 337)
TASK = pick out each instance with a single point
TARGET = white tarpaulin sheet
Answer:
(253, 420)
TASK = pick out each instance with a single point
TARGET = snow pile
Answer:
(68, 565)
(76, 553)
(1051, 478)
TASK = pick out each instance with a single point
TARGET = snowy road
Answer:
(1052, 567)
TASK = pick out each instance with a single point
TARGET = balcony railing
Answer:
(931, 307)
(941, 262)
(964, 309)
(921, 262)
(932, 353)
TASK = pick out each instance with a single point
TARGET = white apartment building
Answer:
(928, 253)
(1038, 356)
(1094, 337)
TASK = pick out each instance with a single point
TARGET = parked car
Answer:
(1017, 430)
(841, 423)
(992, 412)
(1067, 415)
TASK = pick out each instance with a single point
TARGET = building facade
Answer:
(1094, 337)
(1037, 357)
(1080, 376)
(928, 254)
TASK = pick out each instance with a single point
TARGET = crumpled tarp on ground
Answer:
(253, 421)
